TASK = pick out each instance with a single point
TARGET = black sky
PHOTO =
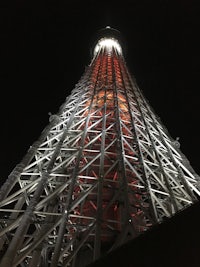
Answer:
(46, 47)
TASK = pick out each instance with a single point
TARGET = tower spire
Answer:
(103, 171)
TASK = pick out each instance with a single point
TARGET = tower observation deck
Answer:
(103, 171)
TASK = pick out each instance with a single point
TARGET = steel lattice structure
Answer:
(104, 170)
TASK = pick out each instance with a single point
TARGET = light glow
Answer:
(109, 44)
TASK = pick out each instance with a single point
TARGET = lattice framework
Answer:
(104, 170)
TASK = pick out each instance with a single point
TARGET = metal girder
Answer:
(104, 170)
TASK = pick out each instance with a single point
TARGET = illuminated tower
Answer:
(104, 170)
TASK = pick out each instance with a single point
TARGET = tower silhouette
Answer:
(104, 170)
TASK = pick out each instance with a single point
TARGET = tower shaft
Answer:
(104, 170)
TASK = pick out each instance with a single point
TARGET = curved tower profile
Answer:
(103, 171)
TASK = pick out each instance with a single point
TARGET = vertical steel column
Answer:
(181, 176)
(153, 212)
(126, 220)
(65, 215)
(156, 153)
(97, 242)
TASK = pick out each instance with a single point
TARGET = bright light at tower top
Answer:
(109, 44)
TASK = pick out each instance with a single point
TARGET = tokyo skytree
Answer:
(104, 170)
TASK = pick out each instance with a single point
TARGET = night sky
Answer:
(46, 47)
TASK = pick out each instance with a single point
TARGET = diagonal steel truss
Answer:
(104, 170)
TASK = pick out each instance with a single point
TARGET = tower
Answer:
(104, 170)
